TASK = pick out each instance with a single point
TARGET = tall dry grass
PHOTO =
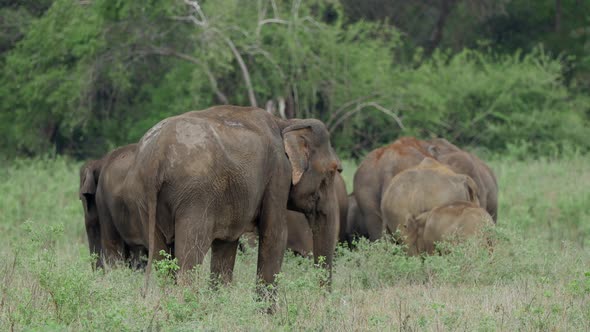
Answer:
(537, 278)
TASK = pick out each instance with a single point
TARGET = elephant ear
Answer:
(297, 149)
(472, 190)
(87, 191)
(88, 183)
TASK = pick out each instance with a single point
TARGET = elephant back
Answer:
(421, 189)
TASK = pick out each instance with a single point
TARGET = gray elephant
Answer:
(299, 238)
(422, 188)
(202, 179)
(113, 231)
(453, 221)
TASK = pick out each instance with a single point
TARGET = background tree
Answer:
(80, 77)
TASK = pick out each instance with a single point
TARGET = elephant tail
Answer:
(151, 210)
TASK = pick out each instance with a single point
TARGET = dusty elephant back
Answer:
(180, 154)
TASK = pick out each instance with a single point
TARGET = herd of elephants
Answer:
(203, 179)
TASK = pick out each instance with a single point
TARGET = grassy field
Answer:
(537, 278)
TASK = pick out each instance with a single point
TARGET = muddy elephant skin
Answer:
(202, 179)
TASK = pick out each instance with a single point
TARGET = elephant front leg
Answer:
(223, 258)
(271, 248)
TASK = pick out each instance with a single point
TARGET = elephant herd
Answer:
(203, 179)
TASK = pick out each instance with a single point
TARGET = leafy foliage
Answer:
(81, 77)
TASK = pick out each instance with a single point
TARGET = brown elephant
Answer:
(202, 179)
(299, 238)
(113, 232)
(374, 174)
(456, 220)
(382, 164)
(462, 162)
(422, 188)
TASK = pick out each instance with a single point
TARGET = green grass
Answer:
(537, 278)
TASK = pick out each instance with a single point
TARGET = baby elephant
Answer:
(455, 220)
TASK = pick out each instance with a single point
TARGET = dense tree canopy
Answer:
(80, 77)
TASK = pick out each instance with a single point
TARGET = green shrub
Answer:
(536, 277)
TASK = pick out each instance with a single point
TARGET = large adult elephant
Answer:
(374, 174)
(463, 162)
(299, 238)
(114, 233)
(422, 188)
(203, 178)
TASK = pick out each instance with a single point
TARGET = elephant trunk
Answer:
(325, 224)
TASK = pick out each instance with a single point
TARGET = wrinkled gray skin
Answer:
(457, 220)
(462, 162)
(422, 188)
(202, 179)
(113, 233)
(299, 238)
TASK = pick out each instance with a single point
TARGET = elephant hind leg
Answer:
(192, 238)
(223, 258)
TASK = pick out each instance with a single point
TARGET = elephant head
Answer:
(314, 165)
(89, 174)
(472, 190)
(414, 230)
(440, 146)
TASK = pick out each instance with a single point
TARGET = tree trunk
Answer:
(446, 7)
(557, 15)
